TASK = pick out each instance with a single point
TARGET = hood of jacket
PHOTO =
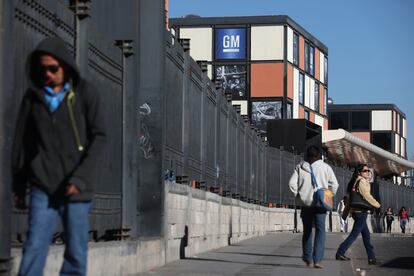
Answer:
(57, 48)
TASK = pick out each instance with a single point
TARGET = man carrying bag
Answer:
(304, 188)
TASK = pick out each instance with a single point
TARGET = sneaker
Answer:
(372, 261)
(307, 263)
(342, 257)
(317, 265)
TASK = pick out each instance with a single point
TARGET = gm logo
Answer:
(230, 43)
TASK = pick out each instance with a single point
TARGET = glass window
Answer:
(311, 60)
(233, 79)
(301, 88)
(382, 140)
(339, 120)
(295, 49)
(316, 95)
(325, 101)
(307, 57)
(263, 111)
(326, 70)
(289, 111)
(360, 120)
(307, 115)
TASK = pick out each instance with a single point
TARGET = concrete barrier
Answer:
(195, 221)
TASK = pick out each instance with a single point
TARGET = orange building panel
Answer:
(301, 112)
(301, 53)
(317, 58)
(266, 80)
(321, 99)
(363, 135)
(290, 81)
(312, 117)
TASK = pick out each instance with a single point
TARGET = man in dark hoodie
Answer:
(59, 139)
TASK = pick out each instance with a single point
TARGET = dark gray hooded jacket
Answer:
(51, 150)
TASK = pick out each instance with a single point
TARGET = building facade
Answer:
(383, 125)
(272, 67)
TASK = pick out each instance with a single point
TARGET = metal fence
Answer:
(212, 147)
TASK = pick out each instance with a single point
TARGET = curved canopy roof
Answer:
(347, 149)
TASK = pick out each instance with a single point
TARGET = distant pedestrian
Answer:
(389, 218)
(59, 141)
(404, 218)
(300, 184)
(343, 218)
(359, 183)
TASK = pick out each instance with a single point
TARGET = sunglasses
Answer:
(51, 68)
(365, 171)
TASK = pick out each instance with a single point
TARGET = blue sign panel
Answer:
(230, 43)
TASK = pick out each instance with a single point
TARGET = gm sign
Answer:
(230, 43)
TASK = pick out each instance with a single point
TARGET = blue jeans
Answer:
(43, 218)
(403, 223)
(312, 216)
(360, 226)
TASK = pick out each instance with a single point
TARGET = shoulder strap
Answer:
(314, 182)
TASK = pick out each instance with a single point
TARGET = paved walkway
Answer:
(280, 254)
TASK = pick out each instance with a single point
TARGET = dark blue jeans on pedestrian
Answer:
(313, 216)
(43, 218)
(360, 226)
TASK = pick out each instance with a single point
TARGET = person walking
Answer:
(342, 220)
(359, 183)
(59, 141)
(300, 184)
(389, 218)
(403, 218)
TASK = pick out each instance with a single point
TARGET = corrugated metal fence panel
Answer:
(174, 153)
(223, 142)
(287, 168)
(105, 72)
(195, 93)
(232, 148)
(209, 134)
(273, 176)
(241, 138)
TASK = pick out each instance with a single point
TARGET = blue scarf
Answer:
(54, 99)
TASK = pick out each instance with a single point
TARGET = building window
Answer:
(326, 70)
(325, 101)
(263, 111)
(360, 120)
(312, 60)
(307, 57)
(301, 88)
(316, 95)
(382, 140)
(295, 49)
(307, 115)
(289, 111)
(233, 79)
(339, 120)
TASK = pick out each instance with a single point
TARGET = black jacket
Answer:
(46, 147)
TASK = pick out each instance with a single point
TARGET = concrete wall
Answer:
(195, 221)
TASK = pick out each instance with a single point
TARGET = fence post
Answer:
(128, 216)
(6, 132)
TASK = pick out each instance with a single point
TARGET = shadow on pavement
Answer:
(251, 264)
(401, 262)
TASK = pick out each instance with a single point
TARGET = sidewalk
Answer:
(280, 254)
